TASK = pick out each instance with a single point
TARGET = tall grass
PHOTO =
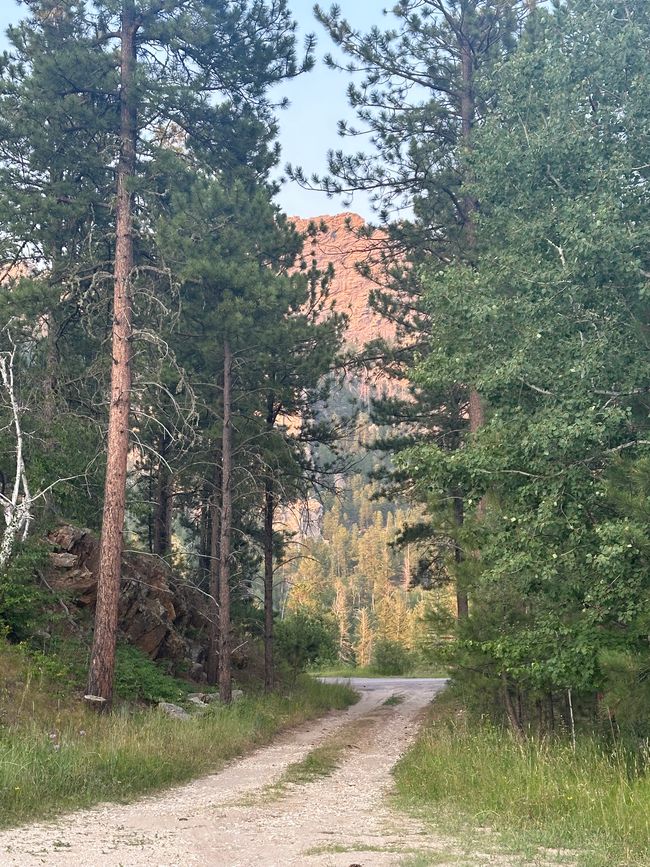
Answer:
(595, 800)
(44, 771)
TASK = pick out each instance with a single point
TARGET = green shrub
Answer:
(391, 658)
(302, 639)
(22, 599)
(626, 692)
(139, 678)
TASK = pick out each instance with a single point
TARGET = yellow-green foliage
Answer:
(595, 800)
(358, 574)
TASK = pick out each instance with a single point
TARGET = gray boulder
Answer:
(173, 710)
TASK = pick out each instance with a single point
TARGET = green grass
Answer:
(361, 847)
(540, 794)
(80, 758)
(394, 699)
(319, 762)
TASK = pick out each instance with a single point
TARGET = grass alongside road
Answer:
(594, 802)
(321, 761)
(324, 759)
(47, 769)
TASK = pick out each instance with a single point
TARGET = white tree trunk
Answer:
(17, 508)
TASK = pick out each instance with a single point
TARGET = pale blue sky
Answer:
(318, 101)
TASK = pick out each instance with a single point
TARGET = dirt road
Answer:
(237, 818)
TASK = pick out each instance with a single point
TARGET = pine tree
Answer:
(363, 645)
(437, 50)
(341, 616)
(186, 80)
(54, 184)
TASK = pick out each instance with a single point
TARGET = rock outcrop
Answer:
(156, 612)
(341, 246)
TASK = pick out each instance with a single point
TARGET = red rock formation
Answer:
(155, 609)
(340, 245)
(350, 290)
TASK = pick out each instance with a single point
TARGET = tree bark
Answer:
(269, 514)
(511, 713)
(476, 421)
(102, 660)
(225, 669)
(162, 525)
(468, 115)
(51, 368)
(551, 712)
(49, 401)
(205, 526)
(476, 411)
(462, 603)
(212, 667)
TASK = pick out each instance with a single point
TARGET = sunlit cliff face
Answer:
(350, 290)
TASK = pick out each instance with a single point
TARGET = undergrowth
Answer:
(594, 802)
(35, 681)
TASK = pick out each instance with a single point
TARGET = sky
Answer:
(308, 128)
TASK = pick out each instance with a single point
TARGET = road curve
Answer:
(428, 687)
(233, 819)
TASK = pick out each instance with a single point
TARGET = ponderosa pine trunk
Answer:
(102, 660)
(269, 515)
(205, 530)
(49, 381)
(468, 113)
(162, 519)
(49, 401)
(225, 668)
(511, 711)
(467, 116)
(212, 667)
(462, 605)
(475, 409)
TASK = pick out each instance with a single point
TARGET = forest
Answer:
(209, 486)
